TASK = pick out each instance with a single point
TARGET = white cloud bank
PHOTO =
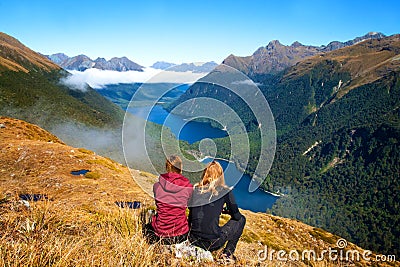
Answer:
(97, 79)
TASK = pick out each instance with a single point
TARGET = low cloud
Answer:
(74, 82)
(99, 140)
(95, 78)
(245, 82)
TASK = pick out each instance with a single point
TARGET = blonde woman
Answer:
(172, 193)
(206, 205)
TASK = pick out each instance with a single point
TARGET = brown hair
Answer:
(173, 164)
(212, 177)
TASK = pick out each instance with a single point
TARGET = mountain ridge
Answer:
(17, 57)
(201, 67)
(379, 57)
(276, 57)
(83, 62)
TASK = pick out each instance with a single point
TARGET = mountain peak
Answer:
(273, 44)
(162, 65)
(334, 45)
(374, 33)
(5, 38)
(296, 44)
(370, 35)
(58, 57)
(100, 59)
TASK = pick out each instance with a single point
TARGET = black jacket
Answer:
(204, 212)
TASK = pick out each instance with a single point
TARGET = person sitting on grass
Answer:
(205, 207)
(172, 193)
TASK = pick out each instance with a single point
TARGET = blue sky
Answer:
(188, 31)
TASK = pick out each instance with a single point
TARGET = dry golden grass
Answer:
(10, 65)
(92, 175)
(48, 234)
(80, 225)
(22, 55)
(104, 162)
(85, 151)
(51, 233)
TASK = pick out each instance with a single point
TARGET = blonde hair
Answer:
(212, 177)
(173, 164)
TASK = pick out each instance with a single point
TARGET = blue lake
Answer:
(190, 131)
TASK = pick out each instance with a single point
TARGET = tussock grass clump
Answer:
(249, 237)
(321, 234)
(85, 151)
(147, 174)
(104, 162)
(149, 178)
(80, 156)
(92, 175)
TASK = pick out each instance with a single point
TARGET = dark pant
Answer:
(230, 232)
(152, 238)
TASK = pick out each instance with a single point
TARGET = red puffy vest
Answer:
(172, 193)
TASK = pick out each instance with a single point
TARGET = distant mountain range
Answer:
(276, 57)
(83, 62)
(272, 58)
(193, 67)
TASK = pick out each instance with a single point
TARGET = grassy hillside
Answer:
(40, 98)
(17, 57)
(80, 225)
